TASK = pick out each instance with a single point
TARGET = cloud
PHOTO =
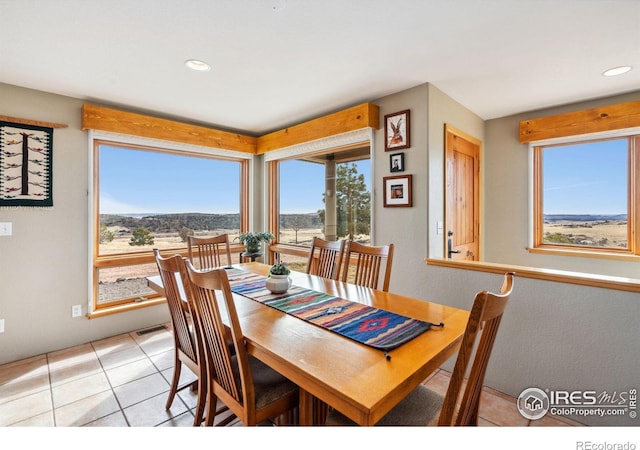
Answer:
(573, 186)
(110, 205)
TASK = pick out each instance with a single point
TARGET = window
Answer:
(147, 197)
(326, 195)
(585, 196)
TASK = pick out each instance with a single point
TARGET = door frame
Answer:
(448, 129)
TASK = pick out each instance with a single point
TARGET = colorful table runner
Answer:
(374, 327)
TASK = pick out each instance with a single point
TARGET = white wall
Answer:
(44, 264)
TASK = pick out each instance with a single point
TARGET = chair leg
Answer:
(212, 402)
(177, 366)
(201, 403)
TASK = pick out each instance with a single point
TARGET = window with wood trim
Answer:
(148, 197)
(586, 196)
(324, 194)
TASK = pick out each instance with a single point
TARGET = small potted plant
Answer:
(278, 281)
(253, 240)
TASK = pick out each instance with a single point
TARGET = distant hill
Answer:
(172, 223)
(583, 217)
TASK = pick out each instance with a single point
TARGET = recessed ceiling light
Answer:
(616, 71)
(198, 65)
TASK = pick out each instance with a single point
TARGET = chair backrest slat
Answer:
(169, 269)
(325, 258)
(210, 251)
(484, 321)
(363, 265)
(228, 365)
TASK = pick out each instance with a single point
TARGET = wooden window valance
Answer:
(100, 118)
(605, 118)
(123, 122)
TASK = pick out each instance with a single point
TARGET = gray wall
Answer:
(444, 110)
(44, 264)
(554, 335)
(406, 228)
(506, 198)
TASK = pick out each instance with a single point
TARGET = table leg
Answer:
(313, 411)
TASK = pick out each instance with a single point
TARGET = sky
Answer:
(135, 181)
(304, 184)
(586, 179)
(138, 182)
(578, 179)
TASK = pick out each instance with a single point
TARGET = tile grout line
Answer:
(104, 371)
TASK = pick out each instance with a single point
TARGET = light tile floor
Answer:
(123, 381)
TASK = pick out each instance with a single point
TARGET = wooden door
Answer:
(462, 209)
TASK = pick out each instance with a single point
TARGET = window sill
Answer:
(107, 311)
(561, 276)
(584, 253)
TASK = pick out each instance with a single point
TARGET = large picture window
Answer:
(585, 196)
(147, 197)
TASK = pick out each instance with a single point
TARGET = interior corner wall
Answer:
(443, 110)
(507, 197)
(44, 264)
(413, 230)
(405, 227)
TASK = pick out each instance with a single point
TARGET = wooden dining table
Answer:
(362, 382)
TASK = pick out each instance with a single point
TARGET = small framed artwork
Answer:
(397, 131)
(396, 162)
(397, 191)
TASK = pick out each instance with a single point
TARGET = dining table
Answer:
(332, 370)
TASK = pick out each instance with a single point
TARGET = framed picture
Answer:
(397, 131)
(397, 191)
(396, 162)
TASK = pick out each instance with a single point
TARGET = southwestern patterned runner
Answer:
(375, 327)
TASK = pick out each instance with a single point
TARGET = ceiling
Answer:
(280, 62)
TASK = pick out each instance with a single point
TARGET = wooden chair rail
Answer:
(561, 276)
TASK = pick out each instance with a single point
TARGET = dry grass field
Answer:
(591, 233)
(127, 281)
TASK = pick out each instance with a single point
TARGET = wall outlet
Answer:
(5, 229)
(76, 310)
(1, 325)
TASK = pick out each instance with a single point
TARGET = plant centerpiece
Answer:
(278, 281)
(279, 269)
(253, 240)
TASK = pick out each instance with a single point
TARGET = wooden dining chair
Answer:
(363, 265)
(422, 405)
(251, 389)
(325, 258)
(172, 270)
(207, 252)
